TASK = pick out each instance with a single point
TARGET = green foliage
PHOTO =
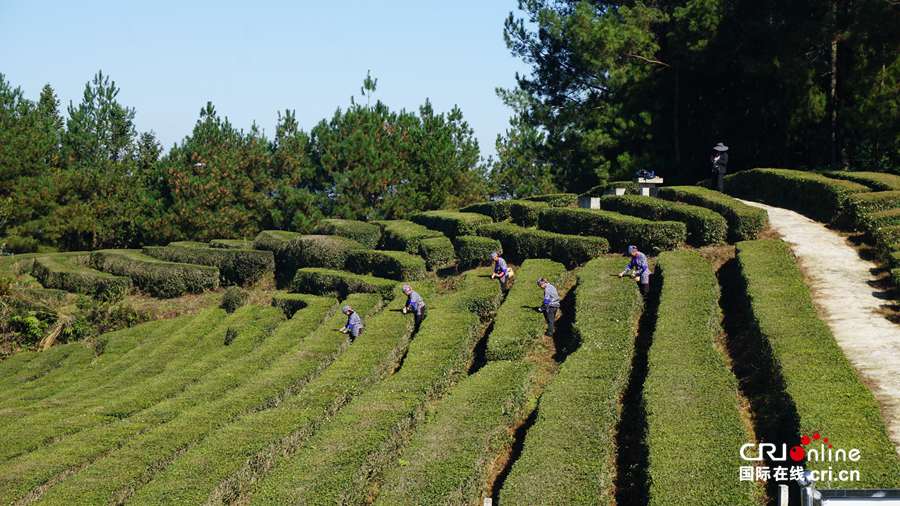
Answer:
(877, 181)
(473, 251)
(518, 327)
(704, 226)
(631, 188)
(693, 415)
(860, 205)
(451, 223)
(582, 401)
(277, 242)
(744, 222)
(397, 265)
(520, 243)
(367, 234)
(619, 229)
(438, 252)
(18, 245)
(816, 196)
(612, 87)
(233, 298)
(403, 235)
(70, 272)
(100, 129)
(329, 251)
(875, 221)
(364, 437)
(156, 277)
(521, 167)
(556, 199)
(30, 327)
(822, 384)
(331, 282)
(216, 465)
(521, 212)
(236, 266)
(451, 455)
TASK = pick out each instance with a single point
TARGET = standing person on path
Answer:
(639, 268)
(550, 305)
(416, 304)
(501, 271)
(719, 159)
(354, 324)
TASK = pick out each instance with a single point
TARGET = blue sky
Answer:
(252, 59)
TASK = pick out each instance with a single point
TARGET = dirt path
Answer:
(839, 280)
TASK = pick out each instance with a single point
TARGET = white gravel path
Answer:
(838, 278)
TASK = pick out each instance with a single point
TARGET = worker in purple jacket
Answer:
(639, 269)
(354, 324)
(416, 304)
(550, 304)
(501, 271)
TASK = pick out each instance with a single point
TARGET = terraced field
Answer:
(633, 400)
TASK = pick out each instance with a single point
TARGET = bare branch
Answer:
(648, 60)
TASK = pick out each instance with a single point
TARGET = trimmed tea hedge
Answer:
(520, 243)
(517, 325)
(236, 266)
(364, 437)
(704, 226)
(744, 222)
(693, 416)
(451, 456)
(556, 199)
(331, 282)
(70, 272)
(397, 265)
(403, 235)
(473, 250)
(814, 195)
(579, 411)
(886, 238)
(451, 223)
(824, 387)
(367, 234)
(276, 241)
(231, 244)
(879, 181)
(329, 251)
(619, 229)
(438, 252)
(861, 205)
(631, 188)
(156, 277)
(522, 212)
(228, 460)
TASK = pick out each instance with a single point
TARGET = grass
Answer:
(363, 437)
(247, 382)
(225, 464)
(448, 460)
(579, 411)
(518, 326)
(694, 426)
(828, 395)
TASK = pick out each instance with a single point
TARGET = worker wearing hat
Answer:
(501, 271)
(719, 159)
(550, 304)
(354, 324)
(639, 269)
(416, 304)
